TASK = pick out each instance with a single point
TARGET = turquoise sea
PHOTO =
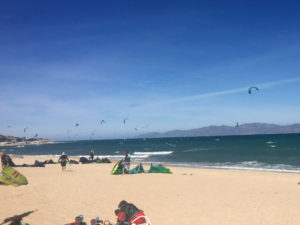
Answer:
(254, 152)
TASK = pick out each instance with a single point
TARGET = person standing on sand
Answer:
(4, 160)
(127, 160)
(63, 161)
(92, 153)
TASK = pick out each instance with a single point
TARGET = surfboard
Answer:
(4, 181)
(13, 176)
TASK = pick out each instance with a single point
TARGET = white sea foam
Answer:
(153, 153)
(196, 149)
(116, 156)
(272, 146)
(192, 150)
(246, 165)
(172, 145)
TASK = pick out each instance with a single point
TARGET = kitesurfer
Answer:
(63, 161)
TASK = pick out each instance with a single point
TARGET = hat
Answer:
(63, 153)
(122, 204)
(79, 216)
(96, 219)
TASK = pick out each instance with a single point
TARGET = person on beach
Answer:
(78, 221)
(128, 213)
(127, 160)
(96, 221)
(92, 153)
(5, 159)
(63, 161)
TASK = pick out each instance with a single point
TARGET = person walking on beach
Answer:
(5, 159)
(127, 160)
(63, 161)
(92, 153)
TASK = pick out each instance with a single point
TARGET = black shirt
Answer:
(5, 159)
(63, 158)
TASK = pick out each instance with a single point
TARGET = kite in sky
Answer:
(251, 88)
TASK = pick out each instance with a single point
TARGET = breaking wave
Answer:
(152, 153)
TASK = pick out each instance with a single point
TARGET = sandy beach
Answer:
(188, 196)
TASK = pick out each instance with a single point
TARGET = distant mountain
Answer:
(243, 129)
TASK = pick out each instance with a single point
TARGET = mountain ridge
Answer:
(224, 130)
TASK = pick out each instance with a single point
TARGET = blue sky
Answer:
(162, 64)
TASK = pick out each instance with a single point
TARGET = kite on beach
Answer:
(25, 129)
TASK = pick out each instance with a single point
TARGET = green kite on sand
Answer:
(158, 169)
(118, 169)
(138, 169)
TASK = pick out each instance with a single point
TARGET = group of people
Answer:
(79, 221)
(127, 213)
(6, 160)
(64, 158)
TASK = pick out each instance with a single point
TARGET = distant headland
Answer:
(21, 141)
(242, 129)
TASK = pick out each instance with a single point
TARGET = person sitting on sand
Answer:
(78, 221)
(63, 161)
(96, 221)
(128, 213)
(5, 159)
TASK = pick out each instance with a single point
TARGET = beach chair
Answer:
(145, 217)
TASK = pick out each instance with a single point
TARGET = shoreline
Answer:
(169, 164)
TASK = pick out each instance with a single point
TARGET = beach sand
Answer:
(189, 196)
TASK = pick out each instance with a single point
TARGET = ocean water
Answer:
(279, 153)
